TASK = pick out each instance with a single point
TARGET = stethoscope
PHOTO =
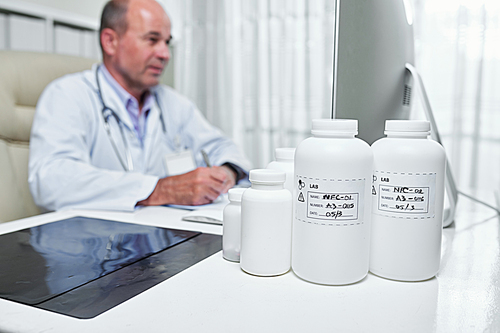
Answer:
(107, 112)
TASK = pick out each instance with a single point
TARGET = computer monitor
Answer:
(374, 77)
(373, 42)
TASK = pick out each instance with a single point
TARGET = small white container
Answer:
(285, 162)
(332, 203)
(266, 215)
(231, 226)
(408, 202)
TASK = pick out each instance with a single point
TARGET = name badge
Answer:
(179, 163)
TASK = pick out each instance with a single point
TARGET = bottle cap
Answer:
(285, 153)
(267, 176)
(235, 194)
(334, 126)
(407, 126)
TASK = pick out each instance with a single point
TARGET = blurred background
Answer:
(262, 69)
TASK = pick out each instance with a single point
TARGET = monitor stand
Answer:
(413, 78)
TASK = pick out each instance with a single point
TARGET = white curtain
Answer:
(262, 69)
(458, 56)
(259, 69)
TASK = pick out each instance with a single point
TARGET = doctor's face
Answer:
(142, 51)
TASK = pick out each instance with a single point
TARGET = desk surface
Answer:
(215, 295)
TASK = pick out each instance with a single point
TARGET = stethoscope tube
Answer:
(107, 112)
(130, 164)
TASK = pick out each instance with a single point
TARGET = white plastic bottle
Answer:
(284, 162)
(266, 215)
(332, 200)
(231, 225)
(408, 201)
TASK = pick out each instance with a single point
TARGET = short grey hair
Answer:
(114, 16)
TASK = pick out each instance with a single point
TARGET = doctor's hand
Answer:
(198, 187)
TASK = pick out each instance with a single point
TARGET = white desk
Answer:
(216, 296)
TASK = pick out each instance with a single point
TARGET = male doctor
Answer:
(107, 137)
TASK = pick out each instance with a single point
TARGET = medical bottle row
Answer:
(355, 207)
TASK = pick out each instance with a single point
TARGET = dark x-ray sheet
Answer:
(83, 266)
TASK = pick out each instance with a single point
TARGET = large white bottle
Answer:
(408, 200)
(332, 203)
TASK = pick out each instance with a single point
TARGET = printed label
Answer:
(400, 194)
(331, 202)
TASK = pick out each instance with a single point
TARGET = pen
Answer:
(205, 158)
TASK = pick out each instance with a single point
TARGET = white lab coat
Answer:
(72, 161)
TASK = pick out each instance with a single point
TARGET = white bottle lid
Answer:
(267, 176)
(334, 126)
(284, 153)
(234, 194)
(407, 126)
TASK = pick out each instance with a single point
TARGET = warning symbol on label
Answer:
(301, 197)
(374, 192)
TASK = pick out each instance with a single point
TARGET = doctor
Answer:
(109, 137)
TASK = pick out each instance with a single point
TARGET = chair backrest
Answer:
(23, 76)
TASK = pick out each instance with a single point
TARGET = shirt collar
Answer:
(125, 97)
